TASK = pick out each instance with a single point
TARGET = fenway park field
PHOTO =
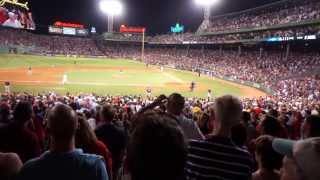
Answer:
(107, 77)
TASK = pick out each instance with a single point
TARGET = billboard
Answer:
(67, 24)
(69, 31)
(178, 28)
(128, 29)
(82, 32)
(55, 30)
(16, 14)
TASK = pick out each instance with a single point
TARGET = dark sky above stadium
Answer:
(156, 15)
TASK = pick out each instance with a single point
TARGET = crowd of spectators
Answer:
(48, 44)
(290, 11)
(189, 38)
(51, 136)
(135, 37)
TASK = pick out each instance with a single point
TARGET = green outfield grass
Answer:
(112, 76)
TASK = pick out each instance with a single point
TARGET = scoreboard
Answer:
(70, 29)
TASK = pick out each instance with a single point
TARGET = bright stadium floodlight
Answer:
(111, 7)
(206, 3)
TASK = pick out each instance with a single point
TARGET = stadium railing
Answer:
(4, 49)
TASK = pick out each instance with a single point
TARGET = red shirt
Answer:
(3, 17)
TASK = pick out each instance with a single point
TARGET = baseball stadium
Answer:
(160, 90)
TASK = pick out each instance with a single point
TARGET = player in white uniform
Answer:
(209, 94)
(64, 79)
(161, 68)
(7, 87)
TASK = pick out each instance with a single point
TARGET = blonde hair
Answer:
(228, 110)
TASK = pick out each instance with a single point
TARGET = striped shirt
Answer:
(217, 158)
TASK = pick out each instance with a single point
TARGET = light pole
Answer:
(206, 4)
(111, 8)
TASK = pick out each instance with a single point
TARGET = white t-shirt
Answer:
(14, 24)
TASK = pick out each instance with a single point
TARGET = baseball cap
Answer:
(306, 154)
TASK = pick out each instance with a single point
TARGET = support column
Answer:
(110, 23)
(261, 53)
(287, 52)
(239, 50)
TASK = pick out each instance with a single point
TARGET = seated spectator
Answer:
(87, 141)
(157, 148)
(217, 157)
(112, 136)
(63, 161)
(175, 107)
(265, 156)
(311, 127)
(302, 158)
(10, 165)
(17, 138)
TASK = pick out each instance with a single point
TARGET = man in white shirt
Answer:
(175, 106)
(12, 21)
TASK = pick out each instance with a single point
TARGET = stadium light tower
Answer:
(111, 8)
(206, 4)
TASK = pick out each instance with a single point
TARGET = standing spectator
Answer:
(87, 141)
(157, 148)
(271, 126)
(10, 165)
(112, 136)
(63, 161)
(4, 114)
(265, 156)
(239, 135)
(17, 137)
(203, 123)
(217, 157)
(175, 107)
(251, 130)
(311, 127)
(302, 158)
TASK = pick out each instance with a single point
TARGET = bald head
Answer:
(62, 123)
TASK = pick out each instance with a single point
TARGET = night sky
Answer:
(156, 15)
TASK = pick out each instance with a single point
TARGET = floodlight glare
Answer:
(206, 2)
(111, 7)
